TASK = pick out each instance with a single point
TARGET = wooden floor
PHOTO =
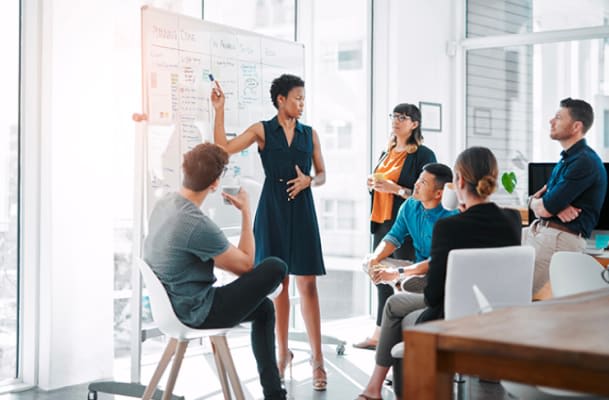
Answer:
(347, 374)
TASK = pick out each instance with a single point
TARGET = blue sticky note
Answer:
(601, 241)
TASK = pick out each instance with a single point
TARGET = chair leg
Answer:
(175, 368)
(461, 387)
(160, 369)
(227, 361)
(221, 369)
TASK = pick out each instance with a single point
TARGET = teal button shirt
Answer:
(415, 220)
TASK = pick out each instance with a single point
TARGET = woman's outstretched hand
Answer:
(217, 96)
(298, 184)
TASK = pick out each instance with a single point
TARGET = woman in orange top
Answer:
(392, 183)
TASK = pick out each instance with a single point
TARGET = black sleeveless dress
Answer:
(286, 228)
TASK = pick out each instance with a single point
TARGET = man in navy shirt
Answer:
(568, 206)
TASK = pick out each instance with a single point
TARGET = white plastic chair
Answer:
(180, 334)
(570, 273)
(503, 274)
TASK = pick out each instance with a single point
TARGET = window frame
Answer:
(464, 44)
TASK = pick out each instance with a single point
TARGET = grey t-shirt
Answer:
(179, 248)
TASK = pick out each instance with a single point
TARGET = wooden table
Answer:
(604, 261)
(560, 342)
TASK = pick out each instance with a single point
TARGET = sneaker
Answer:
(414, 283)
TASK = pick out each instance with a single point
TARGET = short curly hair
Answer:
(283, 85)
(203, 165)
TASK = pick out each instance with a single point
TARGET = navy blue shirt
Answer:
(579, 179)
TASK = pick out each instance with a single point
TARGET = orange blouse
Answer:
(382, 203)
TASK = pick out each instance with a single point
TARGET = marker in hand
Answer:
(216, 89)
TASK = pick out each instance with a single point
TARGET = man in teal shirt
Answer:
(416, 217)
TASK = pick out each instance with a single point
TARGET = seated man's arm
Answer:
(396, 235)
(419, 268)
(382, 251)
(393, 240)
(240, 259)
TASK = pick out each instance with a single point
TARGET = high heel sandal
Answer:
(319, 384)
(287, 362)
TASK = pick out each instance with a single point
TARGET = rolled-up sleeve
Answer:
(399, 229)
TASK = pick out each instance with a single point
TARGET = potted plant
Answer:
(509, 181)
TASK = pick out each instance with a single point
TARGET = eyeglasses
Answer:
(399, 117)
(224, 171)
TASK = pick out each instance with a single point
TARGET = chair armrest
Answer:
(397, 351)
(275, 292)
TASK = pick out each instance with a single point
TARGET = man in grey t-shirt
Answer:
(183, 247)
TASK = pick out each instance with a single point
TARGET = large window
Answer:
(274, 18)
(501, 17)
(512, 91)
(9, 190)
(338, 107)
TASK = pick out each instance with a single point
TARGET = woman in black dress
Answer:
(286, 223)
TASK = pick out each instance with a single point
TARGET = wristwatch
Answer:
(402, 192)
(401, 271)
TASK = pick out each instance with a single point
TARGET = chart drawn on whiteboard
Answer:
(179, 53)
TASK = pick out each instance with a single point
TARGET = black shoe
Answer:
(414, 283)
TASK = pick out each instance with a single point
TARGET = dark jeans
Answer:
(245, 299)
(404, 252)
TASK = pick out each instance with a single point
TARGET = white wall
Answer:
(76, 255)
(411, 65)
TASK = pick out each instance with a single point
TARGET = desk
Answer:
(560, 342)
(603, 259)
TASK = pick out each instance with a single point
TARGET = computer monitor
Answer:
(539, 174)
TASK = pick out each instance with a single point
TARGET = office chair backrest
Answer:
(162, 310)
(572, 272)
(503, 274)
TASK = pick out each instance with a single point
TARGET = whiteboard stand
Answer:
(138, 335)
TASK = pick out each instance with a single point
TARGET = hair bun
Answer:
(486, 186)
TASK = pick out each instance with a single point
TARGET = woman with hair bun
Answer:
(480, 224)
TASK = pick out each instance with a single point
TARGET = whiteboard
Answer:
(178, 54)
